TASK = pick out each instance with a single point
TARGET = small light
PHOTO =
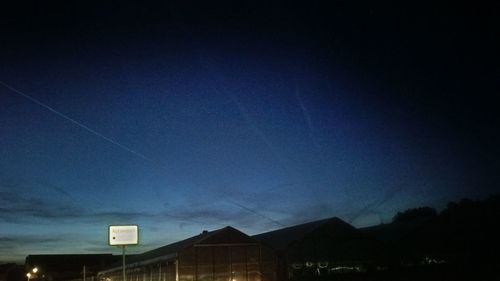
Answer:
(28, 275)
(35, 270)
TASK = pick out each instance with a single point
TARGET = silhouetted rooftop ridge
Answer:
(281, 238)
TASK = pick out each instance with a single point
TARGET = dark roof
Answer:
(226, 235)
(65, 267)
(280, 239)
(56, 260)
(171, 248)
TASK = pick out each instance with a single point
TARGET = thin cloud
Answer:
(102, 249)
(56, 188)
(16, 207)
(28, 239)
(217, 217)
(18, 242)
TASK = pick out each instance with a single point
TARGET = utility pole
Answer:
(123, 263)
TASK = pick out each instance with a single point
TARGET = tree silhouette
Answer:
(415, 215)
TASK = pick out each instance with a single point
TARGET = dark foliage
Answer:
(415, 215)
(462, 240)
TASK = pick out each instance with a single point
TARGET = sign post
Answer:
(123, 263)
(123, 235)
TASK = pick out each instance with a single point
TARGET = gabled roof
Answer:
(231, 236)
(226, 235)
(282, 238)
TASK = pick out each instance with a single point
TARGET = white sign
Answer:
(123, 235)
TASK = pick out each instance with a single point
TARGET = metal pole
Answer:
(84, 273)
(123, 263)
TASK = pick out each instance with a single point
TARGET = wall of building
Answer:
(206, 263)
(221, 263)
(158, 271)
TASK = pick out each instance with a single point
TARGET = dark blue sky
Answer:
(181, 117)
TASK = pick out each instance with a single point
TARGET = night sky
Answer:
(181, 117)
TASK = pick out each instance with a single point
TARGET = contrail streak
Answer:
(247, 118)
(307, 117)
(251, 123)
(255, 212)
(123, 147)
(79, 124)
(388, 196)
